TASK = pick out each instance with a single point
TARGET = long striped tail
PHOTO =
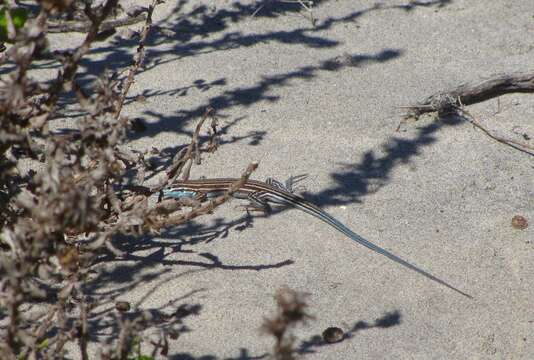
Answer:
(349, 233)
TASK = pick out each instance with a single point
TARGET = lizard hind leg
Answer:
(256, 204)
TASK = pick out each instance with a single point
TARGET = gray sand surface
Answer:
(326, 102)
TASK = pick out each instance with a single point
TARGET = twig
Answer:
(138, 58)
(526, 148)
(123, 345)
(185, 156)
(40, 332)
(70, 68)
(83, 335)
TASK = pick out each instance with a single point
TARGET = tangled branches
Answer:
(63, 197)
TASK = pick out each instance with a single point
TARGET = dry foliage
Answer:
(57, 218)
(291, 311)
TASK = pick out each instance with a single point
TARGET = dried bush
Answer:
(63, 197)
(291, 311)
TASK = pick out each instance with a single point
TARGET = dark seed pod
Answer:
(333, 335)
(122, 306)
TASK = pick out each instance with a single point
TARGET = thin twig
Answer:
(138, 58)
(65, 77)
(526, 148)
(84, 335)
(186, 156)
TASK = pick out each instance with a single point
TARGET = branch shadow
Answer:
(244, 354)
(104, 323)
(256, 93)
(193, 34)
(372, 171)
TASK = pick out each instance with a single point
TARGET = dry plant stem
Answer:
(291, 311)
(85, 26)
(40, 332)
(84, 170)
(210, 205)
(526, 148)
(12, 53)
(13, 313)
(62, 322)
(193, 151)
(139, 57)
(124, 337)
(40, 22)
(84, 336)
(473, 93)
(185, 156)
(70, 68)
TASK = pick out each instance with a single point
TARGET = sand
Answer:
(326, 101)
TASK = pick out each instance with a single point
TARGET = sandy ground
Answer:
(325, 101)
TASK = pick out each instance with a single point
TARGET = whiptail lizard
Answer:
(261, 194)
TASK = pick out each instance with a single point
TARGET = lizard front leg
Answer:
(256, 203)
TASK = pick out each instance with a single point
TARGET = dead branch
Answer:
(138, 58)
(186, 156)
(472, 93)
(454, 102)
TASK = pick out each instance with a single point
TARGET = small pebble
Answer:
(122, 306)
(333, 335)
(519, 222)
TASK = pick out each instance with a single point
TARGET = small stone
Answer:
(122, 306)
(519, 222)
(333, 335)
